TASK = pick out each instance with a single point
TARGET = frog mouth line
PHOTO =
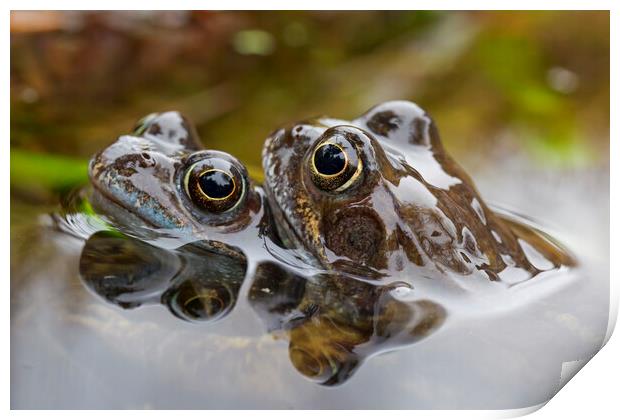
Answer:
(130, 221)
(122, 213)
(130, 211)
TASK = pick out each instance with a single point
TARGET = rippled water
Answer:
(71, 349)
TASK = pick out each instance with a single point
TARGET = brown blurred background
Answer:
(497, 83)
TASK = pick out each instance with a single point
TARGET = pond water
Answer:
(72, 349)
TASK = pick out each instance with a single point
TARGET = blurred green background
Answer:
(531, 83)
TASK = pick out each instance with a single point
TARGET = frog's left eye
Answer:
(214, 184)
(334, 163)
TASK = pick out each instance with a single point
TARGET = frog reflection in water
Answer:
(159, 181)
(196, 284)
(332, 322)
(379, 195)
(160, 178)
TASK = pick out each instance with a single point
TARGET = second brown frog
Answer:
(379, 196)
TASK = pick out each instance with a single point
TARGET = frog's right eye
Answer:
(214, 184)
(334, 163)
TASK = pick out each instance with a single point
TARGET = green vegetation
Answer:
(57, 173)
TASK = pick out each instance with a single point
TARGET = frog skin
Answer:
(159, 181)
(379, 194)
(152, 177)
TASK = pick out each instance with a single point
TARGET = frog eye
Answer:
(214, 184)
(334, 163)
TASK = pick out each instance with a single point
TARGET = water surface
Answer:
(70, 349)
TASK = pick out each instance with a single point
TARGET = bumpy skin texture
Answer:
(411, 204)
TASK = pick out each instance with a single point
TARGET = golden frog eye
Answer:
(334, 163)
(214, 184)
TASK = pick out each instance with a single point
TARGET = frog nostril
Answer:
(145, 160)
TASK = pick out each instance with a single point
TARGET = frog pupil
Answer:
(329, 159)
(216, 184)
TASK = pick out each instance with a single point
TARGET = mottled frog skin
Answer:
(380, 194)
(150, 175)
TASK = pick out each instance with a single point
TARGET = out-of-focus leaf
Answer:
(56, 173)
(558, 147)
(254, 42)
(51, 172)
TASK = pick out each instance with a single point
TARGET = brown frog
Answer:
(160, 176)
(159, 182)
(380, 195)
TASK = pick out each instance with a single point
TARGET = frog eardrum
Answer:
(334, 161)
(215, 183)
